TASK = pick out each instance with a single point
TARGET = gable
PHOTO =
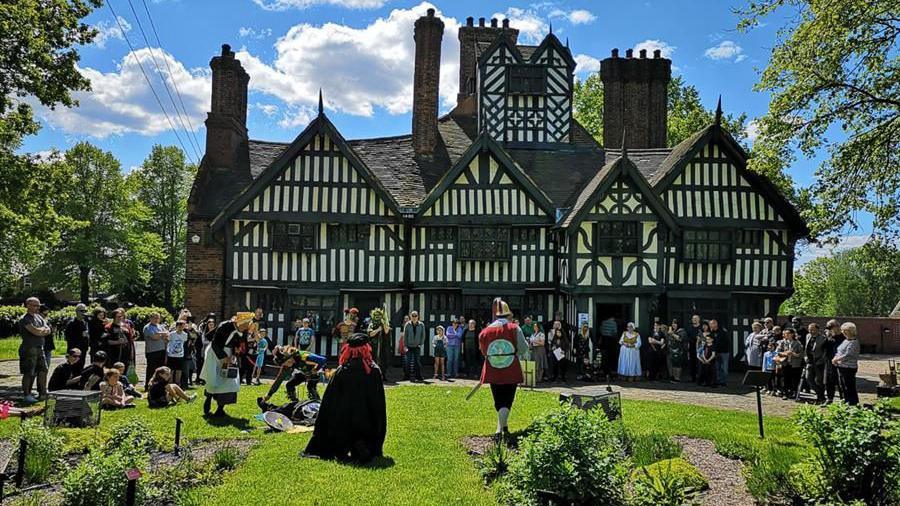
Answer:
(714, 185)
(317, 175)
(622, 198)
(486, 185)
(320, 179)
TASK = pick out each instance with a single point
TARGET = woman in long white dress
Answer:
(630, 354)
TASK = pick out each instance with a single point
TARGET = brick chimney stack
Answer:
(429, 30)
(635, 99)
(226, 124)
(469, 38)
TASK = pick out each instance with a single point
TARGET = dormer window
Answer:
(526, 79)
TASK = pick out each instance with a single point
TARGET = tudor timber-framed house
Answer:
(506, 195)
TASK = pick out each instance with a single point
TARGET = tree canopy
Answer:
(37, 64)
(863, 281)
(835, 92)
(686, 114)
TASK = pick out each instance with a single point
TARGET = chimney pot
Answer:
(480, 21)
(615, 52)
(506, 23)
(629, 53)
(430, 13)
(643, 53)
(493, 22)
(657, 53)
(470, 21)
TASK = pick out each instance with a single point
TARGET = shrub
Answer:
(856, 457)
(45, 448)
(495, 462)
(99, 479)
(649, 448)
(226, 458)
(132, 436)
(736, 449)
(769, 476)
(575, 454)
(670, 482)
(9, 317)
(140, 315)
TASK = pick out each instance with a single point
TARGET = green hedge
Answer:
(10, 315)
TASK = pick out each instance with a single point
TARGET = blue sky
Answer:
(359, 52)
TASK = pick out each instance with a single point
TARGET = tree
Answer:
(107, 244)
(835, 92)
(686, 115)
(163, 184)
(37, 64)
(863, 281)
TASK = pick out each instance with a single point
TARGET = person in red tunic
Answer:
(502, 343)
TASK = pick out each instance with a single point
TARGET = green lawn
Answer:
(426, 465)
(9, 347)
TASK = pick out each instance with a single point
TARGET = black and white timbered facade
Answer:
(506, 195)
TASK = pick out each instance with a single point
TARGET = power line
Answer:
(174, 82)
(164, 80)
(147, 78)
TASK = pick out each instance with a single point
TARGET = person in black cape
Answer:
(352, 420)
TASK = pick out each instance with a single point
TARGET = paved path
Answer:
(732, 397)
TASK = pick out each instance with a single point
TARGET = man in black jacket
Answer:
(722, 349)
(78, 336)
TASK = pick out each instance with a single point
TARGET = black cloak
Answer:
(352, 421)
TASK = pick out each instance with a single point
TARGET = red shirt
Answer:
(511, 375)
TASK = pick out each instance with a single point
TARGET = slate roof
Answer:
(648, 161)
(524, 50)
(589, 190)
(263, 153)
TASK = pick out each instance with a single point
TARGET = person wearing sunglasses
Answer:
(67, 374)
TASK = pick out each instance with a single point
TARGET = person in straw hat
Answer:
(503, 344)
(221, 377)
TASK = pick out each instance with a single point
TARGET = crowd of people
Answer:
(800, 358)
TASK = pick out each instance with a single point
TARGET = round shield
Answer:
(311, 410)
(500, 353)
(278, 421)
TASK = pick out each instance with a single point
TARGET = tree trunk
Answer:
(85, 283)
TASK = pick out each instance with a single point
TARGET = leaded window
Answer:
(527, 235)
(347, 235)
(441, 234)
(526, 79)
(708, 245)
(617, 238)
(295, 236)
(483, 243)
(749, 239)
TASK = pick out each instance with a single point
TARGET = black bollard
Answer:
(20, 471)
(178, 423)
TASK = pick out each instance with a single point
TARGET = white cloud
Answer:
(586, 64)
(245, 32)
(282, 5)
(665, 49)
(752, 130)
(297, 117)
(576, 17)
(532, 27)
(267, 109)
(725, 50)
(813, 251)
(108, 29)
(359, 69)
(120, 101)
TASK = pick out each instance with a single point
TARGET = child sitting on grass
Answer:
(123, 380)
(162, 392)
(112, 394)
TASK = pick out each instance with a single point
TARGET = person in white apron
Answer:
(220, 372)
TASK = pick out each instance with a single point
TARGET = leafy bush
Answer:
(736, 449)
(670, 482)
(9, 317)
(769, 477)
(649, 448)
(45, 448)
(575, 454)
(857, 454)
(132, 436)
(99, 479)
(495, 462)
(169, 483)
(140, 315)
(226, 458)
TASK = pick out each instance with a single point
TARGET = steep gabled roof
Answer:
(501, 40)
(603, 181)
(550, 41)
(321, 124)
(485, 143)
(685, 151)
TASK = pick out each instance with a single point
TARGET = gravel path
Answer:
(726, 480)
